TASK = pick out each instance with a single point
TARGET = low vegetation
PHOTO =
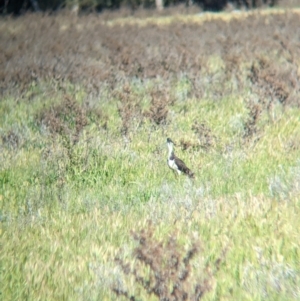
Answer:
(86, 107)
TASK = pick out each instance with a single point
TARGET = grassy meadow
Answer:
(82, 168)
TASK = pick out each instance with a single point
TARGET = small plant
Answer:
(11, 139)
(129, 110)
(66, 119)
(207, 139)
(269, 81)
(158, 111)
(250, 127)
(170, 269)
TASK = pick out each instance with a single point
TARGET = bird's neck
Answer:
(170, 147)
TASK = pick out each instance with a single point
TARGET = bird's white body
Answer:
(172, 165)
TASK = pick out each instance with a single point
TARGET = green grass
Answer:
(65, 216)
(67, 210)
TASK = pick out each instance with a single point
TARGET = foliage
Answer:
(86, 106)
(21, 6)
(170, 270)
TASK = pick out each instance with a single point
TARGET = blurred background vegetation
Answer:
(20, 6)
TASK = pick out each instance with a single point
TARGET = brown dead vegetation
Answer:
(158, 111)
(87, 51)
(131, 112)
(129, 109)
(68, 118)
(172, 276)
(206, 140)
(11, 139)
(269, 82)
(250, 127)
(217, 58)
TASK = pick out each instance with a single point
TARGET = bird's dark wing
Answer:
(183, 168)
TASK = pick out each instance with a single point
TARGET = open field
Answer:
(86, 107)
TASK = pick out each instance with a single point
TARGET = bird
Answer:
(176, 164)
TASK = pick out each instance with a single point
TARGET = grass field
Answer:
(85, 111)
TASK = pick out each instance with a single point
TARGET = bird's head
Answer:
(169, 141)
(170, 144)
